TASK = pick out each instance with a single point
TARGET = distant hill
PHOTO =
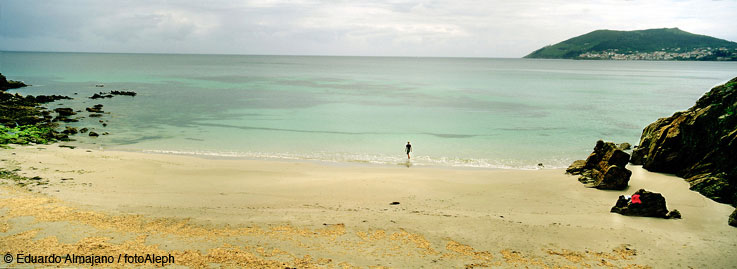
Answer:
(651, 44)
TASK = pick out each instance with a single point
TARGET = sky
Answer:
(453, 28)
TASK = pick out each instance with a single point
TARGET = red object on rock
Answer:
(636, 199)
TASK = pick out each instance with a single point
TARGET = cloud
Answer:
(389, 27)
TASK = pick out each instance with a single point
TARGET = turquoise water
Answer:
(510, 113)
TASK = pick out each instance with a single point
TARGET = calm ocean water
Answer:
(496, 113)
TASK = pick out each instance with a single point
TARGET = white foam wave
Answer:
(373, 159)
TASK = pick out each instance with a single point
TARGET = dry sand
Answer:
(257, 213)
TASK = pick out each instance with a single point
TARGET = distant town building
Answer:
(674, 54)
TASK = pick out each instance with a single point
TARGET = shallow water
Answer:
(510, 113)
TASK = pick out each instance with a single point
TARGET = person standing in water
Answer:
(408, 149)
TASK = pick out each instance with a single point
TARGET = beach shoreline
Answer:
(342, 214)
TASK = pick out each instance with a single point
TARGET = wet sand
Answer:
(257, 213)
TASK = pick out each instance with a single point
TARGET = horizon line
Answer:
(238, 54)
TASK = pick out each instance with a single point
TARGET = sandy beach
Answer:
(256, 213)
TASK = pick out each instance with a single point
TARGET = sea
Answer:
(456, 112)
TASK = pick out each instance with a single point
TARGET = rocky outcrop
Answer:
(644, 204)
(47, 98)
(733, 218)
(23, 120)
(6, 84)
(604, 168)
(126, 93)
(699, 144)
(102, 95)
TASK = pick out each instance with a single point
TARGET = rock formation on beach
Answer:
(644, 204)
(604, 168)
(733, 218)
(699, 144)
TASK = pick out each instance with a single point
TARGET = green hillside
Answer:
(680, 44)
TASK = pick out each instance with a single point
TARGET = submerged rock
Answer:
(604, 168)
(70, 130)
(83, 130)
(644, 204)
(101, 95)
(65, 111)
(698, 144)
(111, 94)
(96, 109)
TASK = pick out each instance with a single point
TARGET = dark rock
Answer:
(48, 98)
(673, 214)
(10, 84)
(95, 115)
(615, 178)
(394, 203)
(128, 93)
(105, 133)
(67, 146)
(64, 111)
(733, 218)
(651, 205)
(104, 125)
(604, 168)
(624, 146)
(698, 144)
(95, 109)
(83, 130)
(93, 134)
(589, 177)
(101, 95)
(576, 167)
(70, 130)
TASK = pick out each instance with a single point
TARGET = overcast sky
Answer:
(461, 28)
